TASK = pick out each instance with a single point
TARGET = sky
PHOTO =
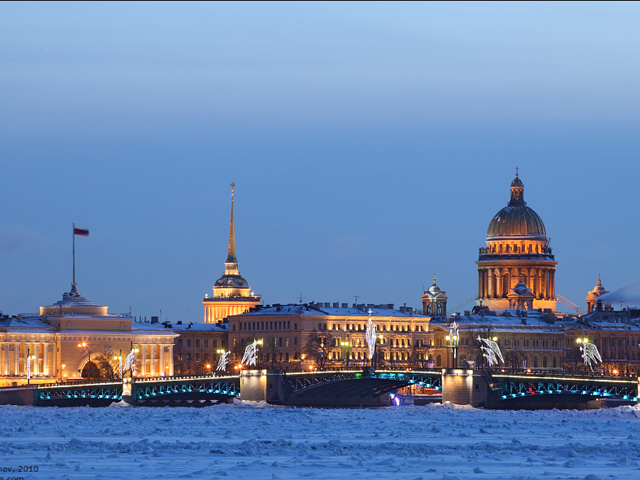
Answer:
(370, 143)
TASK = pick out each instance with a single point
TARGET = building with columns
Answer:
(434, 301)
(68, 339)
(231, 293)
(517, 253)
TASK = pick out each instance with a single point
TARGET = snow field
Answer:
(258, 441)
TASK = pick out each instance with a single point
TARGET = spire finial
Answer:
(599, 281)
(231, 257)
(516, 172)
(434, 278)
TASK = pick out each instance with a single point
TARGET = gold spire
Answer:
(434, 278)
(599, 281)
(516, 172)
(231, 258)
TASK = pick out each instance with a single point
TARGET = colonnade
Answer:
(495, 282)
(214, 313)
(14, 358)
(154, 360)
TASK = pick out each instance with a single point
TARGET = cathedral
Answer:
(516, 269)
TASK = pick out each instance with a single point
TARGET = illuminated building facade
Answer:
(517, 255)
(68, 339)
(231, 293)
(402, 335)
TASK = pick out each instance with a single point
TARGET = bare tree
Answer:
(318, 347)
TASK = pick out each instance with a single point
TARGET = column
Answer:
(545, 288)
(153, 360)
(143, 362)
(16, 359)
(499, 285)
(36, 361)
(171, 360)
(480, 279)
(45, 363)
(7, 360)
(553, 284)
(489, 283)
(162, 369)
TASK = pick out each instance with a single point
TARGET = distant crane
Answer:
(463, 303)
(570, 304)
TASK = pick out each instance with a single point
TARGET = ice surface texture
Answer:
(257, 441)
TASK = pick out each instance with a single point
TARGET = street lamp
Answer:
(453, 338)
(345, 351)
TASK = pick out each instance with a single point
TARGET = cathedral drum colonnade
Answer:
(517, 252)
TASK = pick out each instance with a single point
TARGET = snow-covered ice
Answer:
(257, 441)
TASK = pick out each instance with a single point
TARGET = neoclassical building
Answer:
(66, 339)
(517, 253)
(231, 293)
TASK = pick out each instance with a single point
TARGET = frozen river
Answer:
(266, 442)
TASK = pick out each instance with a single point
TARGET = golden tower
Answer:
(517, 253)
(231, 293)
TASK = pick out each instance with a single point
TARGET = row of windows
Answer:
(214, 343)
(272, 325)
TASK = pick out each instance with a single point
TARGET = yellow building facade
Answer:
(68, 339)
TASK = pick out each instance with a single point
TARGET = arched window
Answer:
(544, 362)
(554, 362)
(439, 361)
(535, 362)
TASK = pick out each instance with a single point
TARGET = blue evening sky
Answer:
(371, 144)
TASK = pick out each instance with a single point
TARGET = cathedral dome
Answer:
(516, 218)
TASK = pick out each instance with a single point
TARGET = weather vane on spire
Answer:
(516, 172)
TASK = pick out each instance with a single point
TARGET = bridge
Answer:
(345, 388)
(557, 390)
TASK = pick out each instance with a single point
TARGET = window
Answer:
(234, 328)
(295, 326)
(439, 361)
(206, 343)
(280, 341)
(295, 341)
(215, 344)
(286, 357)
(179, 342)
(197, 343)
(197, 357)
(188, 342)
(234, 342)
(286, 344)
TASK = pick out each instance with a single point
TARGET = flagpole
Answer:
(74, 252)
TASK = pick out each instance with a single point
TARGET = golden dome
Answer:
(516, 218)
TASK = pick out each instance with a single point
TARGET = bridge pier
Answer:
(128, 391)
(464, 387)
(261, 386)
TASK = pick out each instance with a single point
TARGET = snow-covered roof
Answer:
(29, 323)
(197, 327)
(315, 310)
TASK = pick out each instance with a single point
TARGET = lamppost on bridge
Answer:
(345, 351)
(453, 339)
